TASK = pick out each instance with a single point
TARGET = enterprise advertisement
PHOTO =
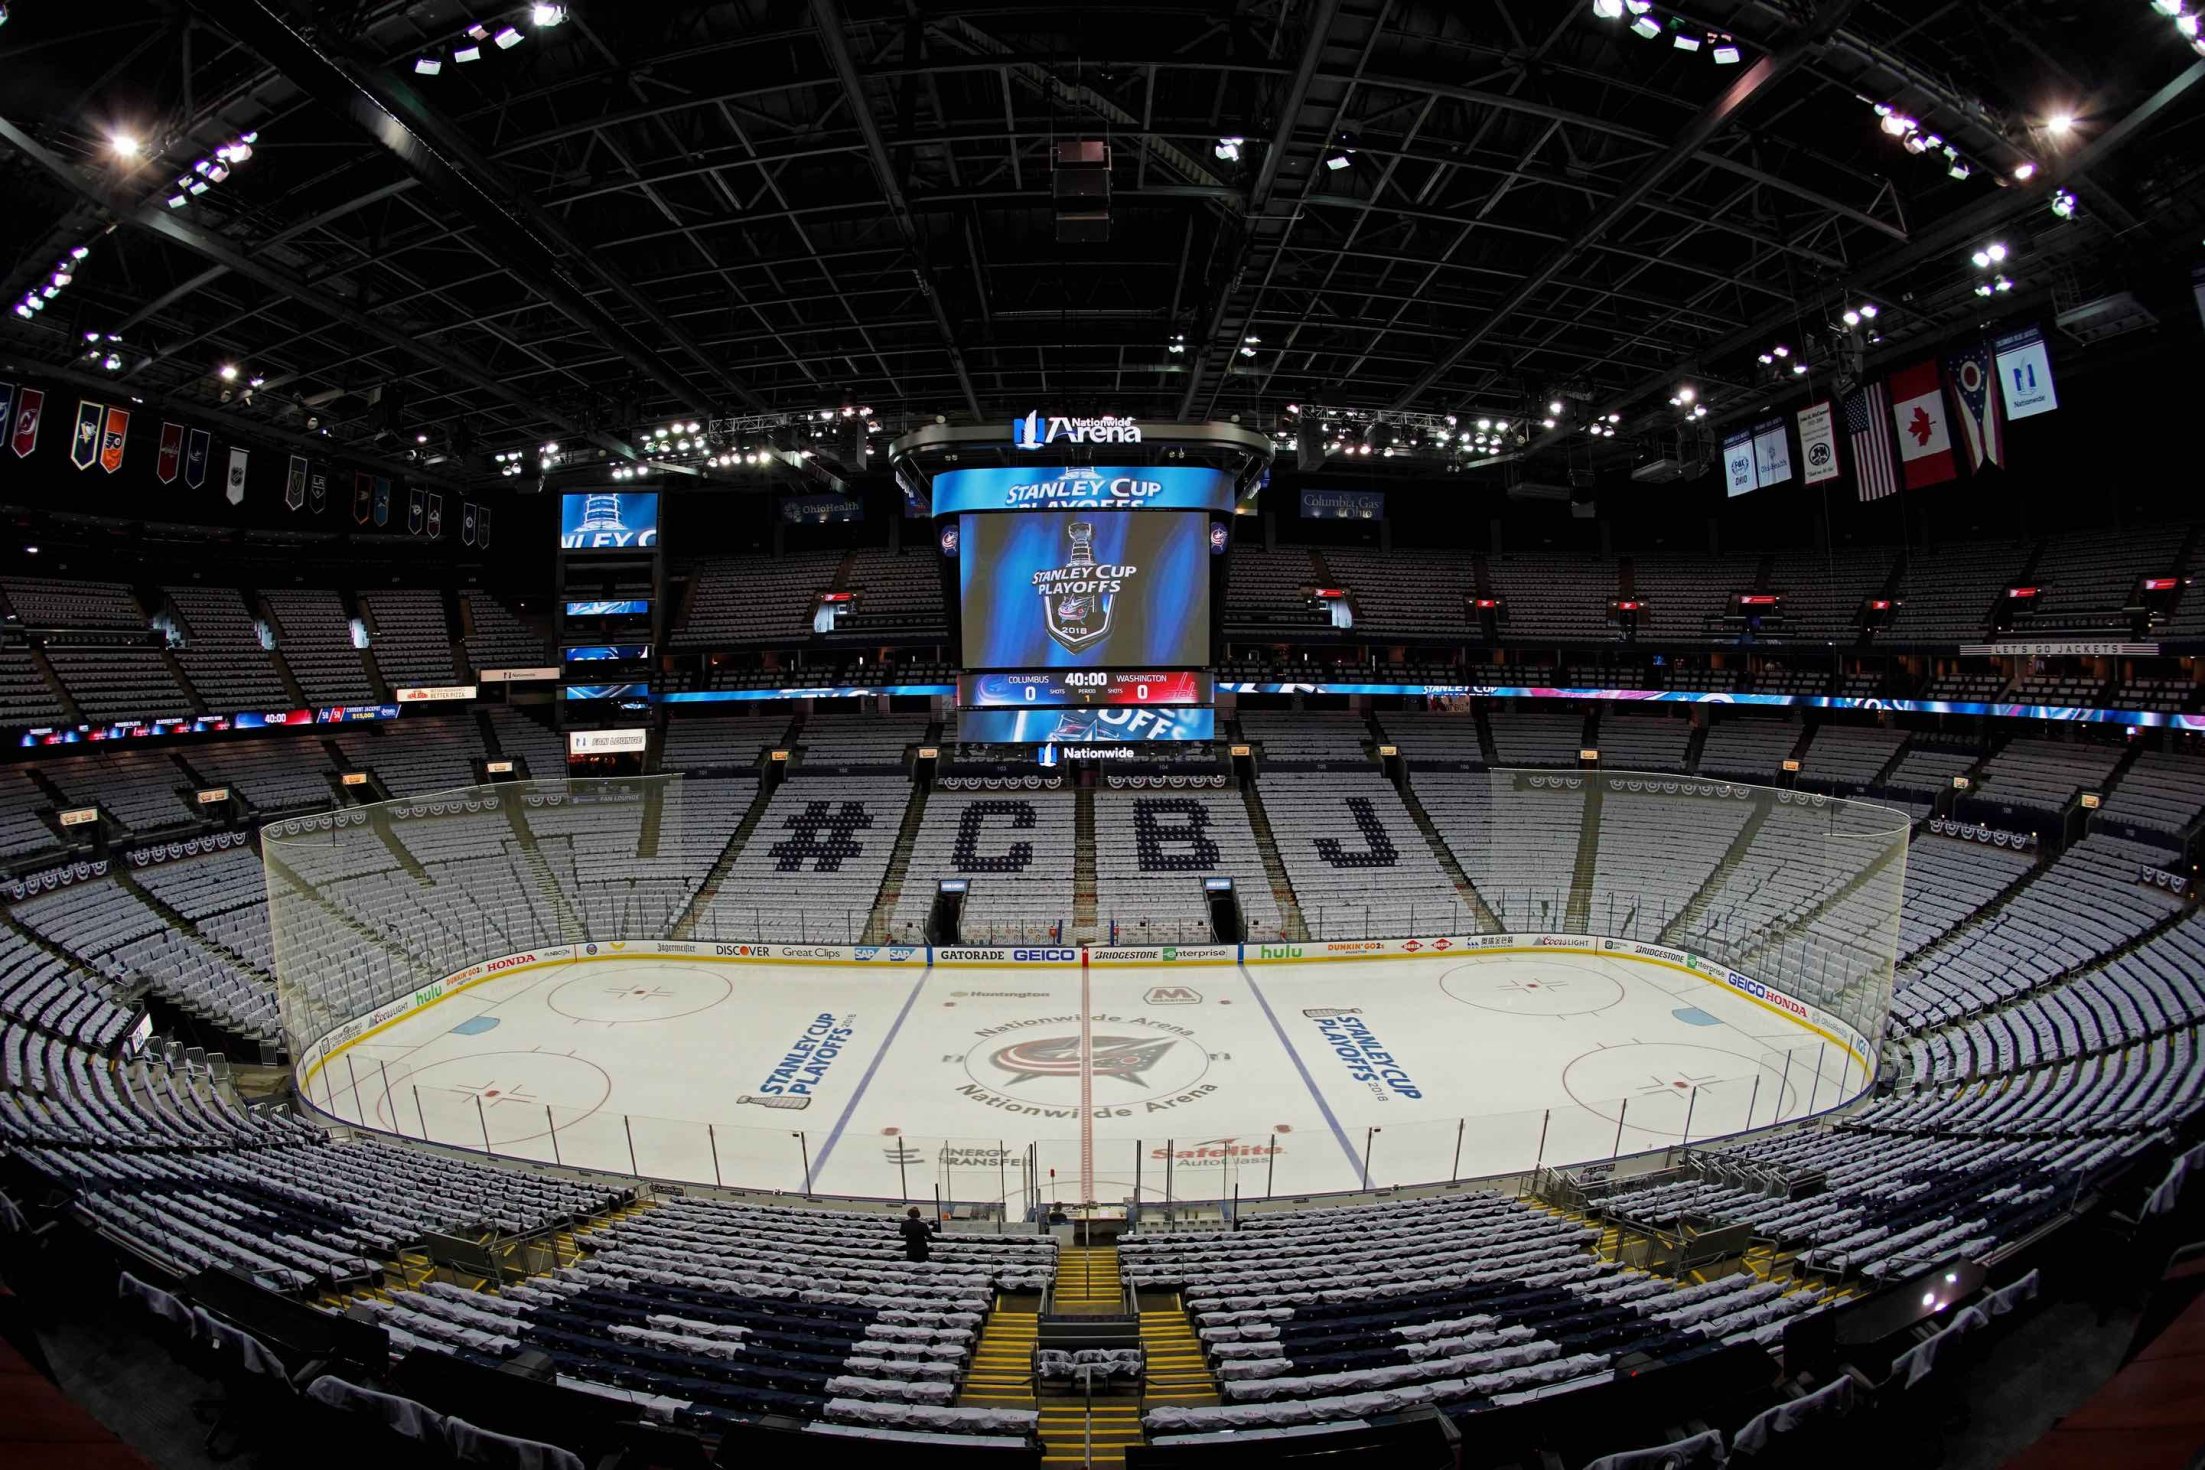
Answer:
(1084, 726)
(1085, 590)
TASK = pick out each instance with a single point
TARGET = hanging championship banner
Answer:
(198, 449)
(482, 526)
(171, 461)
(234, 489)
(1818, 443)
(467, 523)
(294, 482)
(363, 494)
(382, 500)
(317, 491)
(114, 438)
(436, 517)
(84, 449)
(30, 407)
(417, 512)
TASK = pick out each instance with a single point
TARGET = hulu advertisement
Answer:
(1085, 589)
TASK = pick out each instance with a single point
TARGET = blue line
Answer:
(866, 1081)
(1355, 1161)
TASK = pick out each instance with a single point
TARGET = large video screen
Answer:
(608, 520)
(1085, 589)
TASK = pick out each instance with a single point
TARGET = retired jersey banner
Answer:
(114, 438)
(84, 449)
(198, 449)
(467, 523)
(2025, 374)
(1975, 407)
(382, 501)
(417, 512)
(1738, 462)
(170, 464)
(482, 526)
(1772, 454)
(436, 517)
(294, 482)
(363, 496)
(30, 407)
(233, 489)
(1925, 440)
(317, 491)
(1818, 443)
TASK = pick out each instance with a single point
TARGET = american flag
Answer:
(1868, 426)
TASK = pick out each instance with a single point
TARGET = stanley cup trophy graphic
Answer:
(601, 513)
(1078, 611)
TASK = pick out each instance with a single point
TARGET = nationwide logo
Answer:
(1125, 1058)
(1172, 995)
(1038, 430)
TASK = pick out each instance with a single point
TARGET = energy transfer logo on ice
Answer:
(1039, 430)
(1077, 597)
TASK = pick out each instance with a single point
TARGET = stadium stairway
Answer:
(685, 927)
(1002, 1372)
(1274, 868)
(899, 867)
(1178, 1375)
(1681, 923)
(1577, 915)
(1088, 1283)
(1488, 921)
(1083, 865)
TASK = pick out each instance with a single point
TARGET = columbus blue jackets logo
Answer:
(1126, 1058)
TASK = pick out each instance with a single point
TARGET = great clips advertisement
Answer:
(1085, 589)
(1084, 726)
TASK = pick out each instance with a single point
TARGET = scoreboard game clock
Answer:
(1053, 688)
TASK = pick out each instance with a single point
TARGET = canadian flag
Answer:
(1925, 437)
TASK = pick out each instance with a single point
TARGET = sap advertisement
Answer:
(1085, 590)
(1110, 487)
(609, 520)
(1084, 726)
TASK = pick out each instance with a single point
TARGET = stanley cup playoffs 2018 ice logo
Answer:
(1078, 596)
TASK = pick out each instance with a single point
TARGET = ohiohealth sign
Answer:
(1106, 487)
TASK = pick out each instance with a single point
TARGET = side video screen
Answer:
(1085, 589)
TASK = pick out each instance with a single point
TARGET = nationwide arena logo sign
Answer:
(1038, 431)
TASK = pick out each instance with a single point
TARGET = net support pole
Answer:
(712, 1141)
(1751, 1099)
(551, 1126)
(385, 1070)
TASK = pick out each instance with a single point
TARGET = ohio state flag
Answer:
(1925, 440)
(1976, 406)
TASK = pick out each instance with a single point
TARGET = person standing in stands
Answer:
(918, 1235)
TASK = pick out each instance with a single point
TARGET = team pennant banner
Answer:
(436, 517)
(233, 490)
(170, 464)
(382, 501)
(198, 449)
(467, 523)
(1925, 440)
(114, 438)
(84, 449)
(482, 526)
(1818, 443)
(30, 407)
(1772, 454)
(363, 495)
(294, 482)
(417, 512)
(317, 491)
(7, 405)
(1975, 407)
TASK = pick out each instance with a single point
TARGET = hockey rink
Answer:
(1269, 1079)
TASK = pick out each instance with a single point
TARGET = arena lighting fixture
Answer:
(1958, 169)
(2167, 7)
(2060, 124)
(1726, 52)
(1554, 406)
(124, 145)
(1685, 41)
(544, 15)
(1228, 149)
(468, 52)
(1990, 255)
(1608, 9)
(2024, 171)
(227, 372)
(2063, 204)
(507, 38)
(427, 66)
(1646, 27)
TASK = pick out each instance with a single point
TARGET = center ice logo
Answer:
(1127, 1058)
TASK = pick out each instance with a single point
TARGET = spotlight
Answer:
(1646, 27)
(2060, 124)
(544, 16)
(124, 145)
(507, 38)
(1959, 169)
(1686, 394)
(467, 53)
(1897, 124)
(1726, 52)
(1555, 407)
(255, 382)
(1799, 370)
(2063, 204)
(2024, 171)
(1686, 42)
(1337, 162)
(227, 372)
(1868, 310)
(428, 66)
(1608, 9)
(1852, 317)
(1228, 149)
